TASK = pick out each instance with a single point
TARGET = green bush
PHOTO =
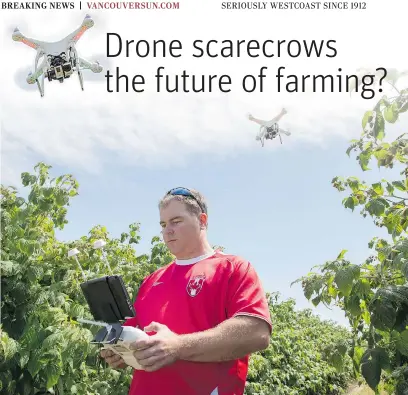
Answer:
(43, 347)
(306, 355)
(374, 294)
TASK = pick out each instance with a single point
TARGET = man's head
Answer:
(184, 220)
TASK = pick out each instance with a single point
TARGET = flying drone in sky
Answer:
(61, 58)
(269, 130)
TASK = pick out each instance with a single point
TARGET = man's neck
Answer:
(202, 250)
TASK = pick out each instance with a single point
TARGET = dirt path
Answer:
(355, 389)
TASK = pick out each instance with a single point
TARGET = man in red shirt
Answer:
(205, 312)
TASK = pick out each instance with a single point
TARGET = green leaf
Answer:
(358, 354)
(364, 159)
(316, 300)
(7, 268)
(366, 118)
(362, 288)
(378, 131)
(350, 202)
(350, 148)
(354, 184)
(378, 189)
(402, 245)
(380, 154)
(397, 294)
(341, 255)
(404, 269)
(24, 358)
(34, 364)
(336, 360)
(353, 305)
(344, 279)
(30, 337)
(399, 185)
(402, 342)
(371, 368)
(332, 291)
(52, 341)
(53, 373)
(391, 113)
(390, 188)
(76, 310)
(383, 358)
(383, 314)
(376, 207)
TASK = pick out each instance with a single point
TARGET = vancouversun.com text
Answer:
(132, 5)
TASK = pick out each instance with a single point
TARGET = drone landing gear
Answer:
(38, 75)
(82, 64)
(81, 79)
(41, 85)
(271, 136)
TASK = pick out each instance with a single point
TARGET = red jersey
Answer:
(191, 296)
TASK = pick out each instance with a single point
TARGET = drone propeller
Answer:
(18, 36)
(87, 23)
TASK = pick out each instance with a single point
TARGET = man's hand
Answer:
(114, 360)
(158, 350)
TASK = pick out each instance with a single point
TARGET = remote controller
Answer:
(128, 336)
(110, 305)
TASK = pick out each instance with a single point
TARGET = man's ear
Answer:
(203, 220)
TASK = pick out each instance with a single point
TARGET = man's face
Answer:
(180, 228)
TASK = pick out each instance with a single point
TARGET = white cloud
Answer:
(80, 129)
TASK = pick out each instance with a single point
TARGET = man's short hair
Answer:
(192, 203)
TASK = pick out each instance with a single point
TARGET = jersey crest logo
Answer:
(195, 285)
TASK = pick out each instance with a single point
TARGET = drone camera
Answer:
(60, 68)
(272, 131)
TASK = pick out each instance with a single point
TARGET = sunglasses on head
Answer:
(184, 192)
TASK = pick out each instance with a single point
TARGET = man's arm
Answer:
(232, 339)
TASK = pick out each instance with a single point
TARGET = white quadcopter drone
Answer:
(61, 58)
(269, 130)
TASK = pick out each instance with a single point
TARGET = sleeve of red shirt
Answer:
(245, 294)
